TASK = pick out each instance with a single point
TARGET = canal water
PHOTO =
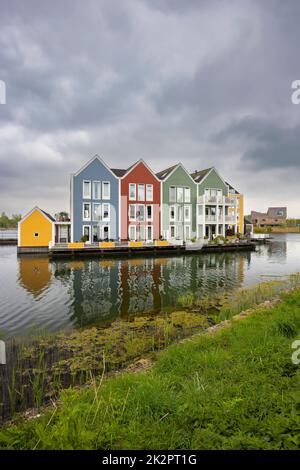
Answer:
(38, 294)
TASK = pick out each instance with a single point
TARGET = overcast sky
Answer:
(204, 82)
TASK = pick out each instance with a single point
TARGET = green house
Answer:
(216, 212)
(178, 203)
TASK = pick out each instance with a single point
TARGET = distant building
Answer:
(274, 217)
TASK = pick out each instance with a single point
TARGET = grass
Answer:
(237, 389)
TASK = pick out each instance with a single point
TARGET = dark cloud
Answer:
(203, 82)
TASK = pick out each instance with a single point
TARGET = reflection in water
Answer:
(60, 294)
(103, 290)
(34, 274)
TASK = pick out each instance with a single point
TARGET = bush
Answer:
(84, 238)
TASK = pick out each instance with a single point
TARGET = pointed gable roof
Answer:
(134, 165)
(95, 157)
(36, 208)
(198, 175)
(165, 173)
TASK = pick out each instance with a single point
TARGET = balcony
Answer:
(214, 200)
(230, 219)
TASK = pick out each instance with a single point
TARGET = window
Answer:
(105, 211)
(141, 232)
(141, 192)
(86, 211)
(172, 213)
(132, 191)
(149, 233)
(187, 194)
(140, 213)
(179, 213)
(36, 234)
(87, 232)
(132, 232)
(105, 190)
(96, 212)
(149, 194)
(187, 232)
(172, 231)
(132, 215)
(187, 213)
(179, 194)
(172, 194)
(105, 232)
(149, 212)
(86, 190)
(95, 233)
(96, 190)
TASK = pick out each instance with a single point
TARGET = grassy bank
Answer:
(237, 389)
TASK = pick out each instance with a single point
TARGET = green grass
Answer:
(237, 389)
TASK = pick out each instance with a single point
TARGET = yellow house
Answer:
(36, 230)
(233, 193)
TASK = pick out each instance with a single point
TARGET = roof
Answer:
(118, 172)
(232, 189)
(164, 173)
(48, 215)
(200, 174)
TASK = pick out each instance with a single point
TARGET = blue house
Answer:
(94, 202)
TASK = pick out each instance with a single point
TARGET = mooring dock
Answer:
(147, 249)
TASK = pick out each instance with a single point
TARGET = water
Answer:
(38, 294)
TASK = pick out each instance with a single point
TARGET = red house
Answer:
(139, 203)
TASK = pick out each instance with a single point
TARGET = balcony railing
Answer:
(228, 201)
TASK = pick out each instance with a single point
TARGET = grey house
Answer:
(95, 202)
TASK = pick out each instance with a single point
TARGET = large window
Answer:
(105, 190)
(172, 231)
(172, 213)
(96, 190)
(96, 212)
(86, 215)
(106, 211)
(132, 232)
(86, 190)
(179, 194)
(140, 232)
(132, 215)
(179, 213)
(172, 194)
(149, 233)
(140, 213)
(149, 194)
(141, 192)
(187, 194)
(187, 213)
(87, 232)
(149, 212)
(132, 191)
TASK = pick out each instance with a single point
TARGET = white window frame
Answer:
(189, 230)
(130, 197)
(90, 186)
(179, 208)
(187, 206)
(132, 219)
(141, 185)
(108, 218)
(175, 234)
(149, 186)
(172, 219)
(130, 226)
(170, 199)
(146, 237)
(179, 188)
(141, 228)
(83, 217)
(100, 211)
(105, 198)
(94, 226)
(102, 232)
(185, 190)
(137, 210)
(151, 219)
(89, 227)
(93, 187)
